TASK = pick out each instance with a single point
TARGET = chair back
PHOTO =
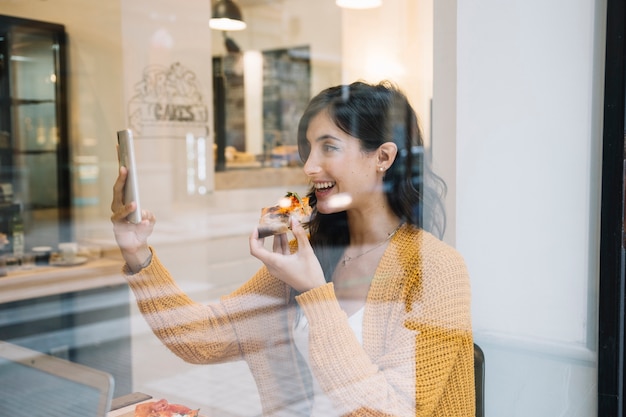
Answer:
(479, 380)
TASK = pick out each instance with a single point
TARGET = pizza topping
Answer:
(277, 219)
(162, 408)
(290, 204)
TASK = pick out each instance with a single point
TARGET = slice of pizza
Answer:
(277, 219)
(162, 408)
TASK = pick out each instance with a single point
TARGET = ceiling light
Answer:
(359, 4)
(226, 15)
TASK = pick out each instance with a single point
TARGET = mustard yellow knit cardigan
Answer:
(417, 353)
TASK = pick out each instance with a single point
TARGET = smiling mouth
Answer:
(323, 186)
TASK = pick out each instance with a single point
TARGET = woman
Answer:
(367, 313)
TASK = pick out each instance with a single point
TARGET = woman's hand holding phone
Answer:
(132, 238)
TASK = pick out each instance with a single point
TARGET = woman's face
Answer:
(344, 176)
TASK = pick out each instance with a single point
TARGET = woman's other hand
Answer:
(131, 238)
(300, 270)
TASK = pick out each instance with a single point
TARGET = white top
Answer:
(322, 406)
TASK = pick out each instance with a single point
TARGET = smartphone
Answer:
(126, 155)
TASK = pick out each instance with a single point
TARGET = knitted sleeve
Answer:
(195, 332)
(416, 357)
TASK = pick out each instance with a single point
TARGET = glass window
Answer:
(508, 103)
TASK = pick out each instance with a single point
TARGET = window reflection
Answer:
(507, 78)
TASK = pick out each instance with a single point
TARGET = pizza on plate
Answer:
(277, 219)
(162, 408)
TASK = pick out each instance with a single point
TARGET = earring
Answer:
(381, 169)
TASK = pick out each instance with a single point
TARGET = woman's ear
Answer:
(387, 153)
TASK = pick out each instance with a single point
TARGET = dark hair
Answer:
(375, 114)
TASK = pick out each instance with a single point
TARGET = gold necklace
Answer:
(347, 258)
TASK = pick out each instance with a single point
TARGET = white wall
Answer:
(161, 39)
(529, 100)
(393, 42)
(444, 111)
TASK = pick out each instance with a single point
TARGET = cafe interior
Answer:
(510, 97)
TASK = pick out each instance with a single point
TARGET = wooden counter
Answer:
(260, 178)
(41, 281)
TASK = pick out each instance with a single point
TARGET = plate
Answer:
(79, 260)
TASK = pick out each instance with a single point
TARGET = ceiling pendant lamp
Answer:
(359, 4)
(226, 15)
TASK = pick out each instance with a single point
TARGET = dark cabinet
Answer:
(34, 143)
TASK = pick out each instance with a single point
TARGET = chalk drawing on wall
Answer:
(168, 102)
